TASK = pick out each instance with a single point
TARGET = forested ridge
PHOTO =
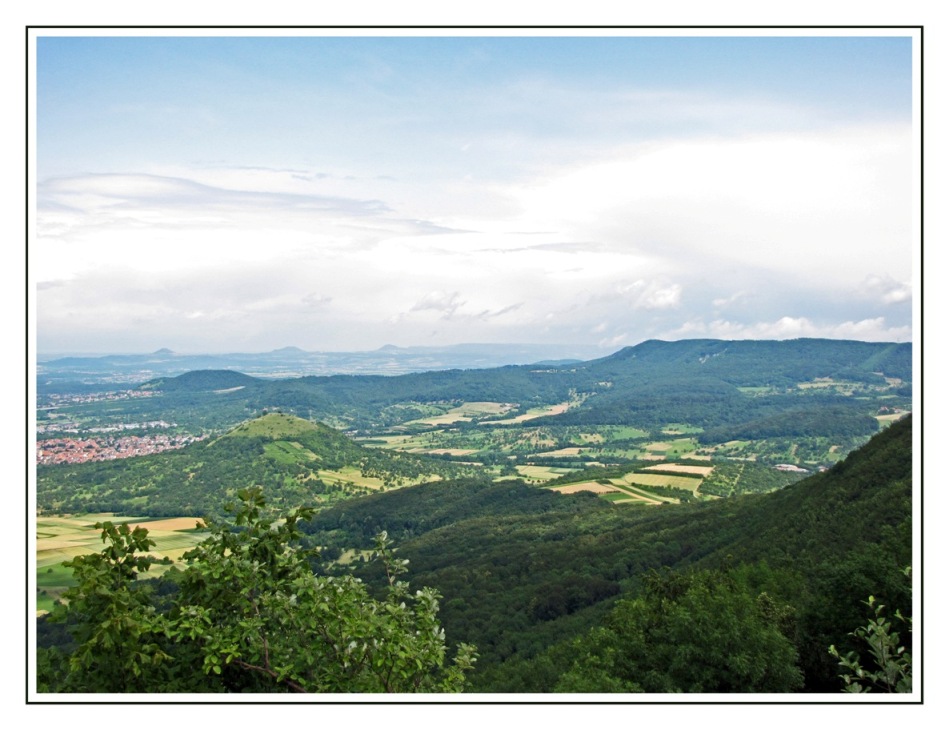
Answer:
(703, 382)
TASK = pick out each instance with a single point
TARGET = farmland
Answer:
(62, 538)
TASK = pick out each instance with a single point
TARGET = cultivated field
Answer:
(594, 487)
(541, 473)
(288, 452)
(702, 471)
(349, 475)
(568, 451)
(466, 412)
(554, 410)
(663, 480)
(63, 538)
(886, 419)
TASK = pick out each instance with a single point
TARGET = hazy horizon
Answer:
(595, 350)
(337, 194)
(446, 346)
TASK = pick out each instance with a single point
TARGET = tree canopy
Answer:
(247, 614)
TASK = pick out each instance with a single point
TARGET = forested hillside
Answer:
(530, 570)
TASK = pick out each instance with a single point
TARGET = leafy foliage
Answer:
(250, 615)
(892, 664)
(119, 633)
(687, 632)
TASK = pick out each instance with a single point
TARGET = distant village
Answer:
(77, 451)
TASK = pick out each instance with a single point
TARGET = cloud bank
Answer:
(531, 208)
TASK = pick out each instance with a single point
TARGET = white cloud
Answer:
(721, 302)
(871, 330)
(445, 303)
(609, 343)
(822, 205)
(561, 256)
(887, 290)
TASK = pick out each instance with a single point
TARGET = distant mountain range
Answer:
(713, 384)
(54, 371)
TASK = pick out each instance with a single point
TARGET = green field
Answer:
(672, 447)
(349, 475)
(274, 425)
(641, 495)
(663, 480)
(679, 429)
(535, 474)
(288, 452)
(59, 539)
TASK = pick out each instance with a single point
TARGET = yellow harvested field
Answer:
(175, 553)
(554, 410)
(450, 452)
(170, 525)
(539, 473)
(889, 417)
(683, 469)
(349, 474)
(569, 451)
(595, 487)
(466, 412)
(663, 480)
(64, 538)
(61, 542)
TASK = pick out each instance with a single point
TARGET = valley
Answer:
(533, 498)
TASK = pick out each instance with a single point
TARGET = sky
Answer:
(242, 194)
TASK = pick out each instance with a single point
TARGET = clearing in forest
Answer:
(465, 412)
(567, 451)
(594, 487)
(663, 480)
(539, 412)
(538, 473)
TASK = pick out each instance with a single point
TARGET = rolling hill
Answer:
(296, 461)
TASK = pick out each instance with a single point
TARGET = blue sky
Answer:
(238, 194)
